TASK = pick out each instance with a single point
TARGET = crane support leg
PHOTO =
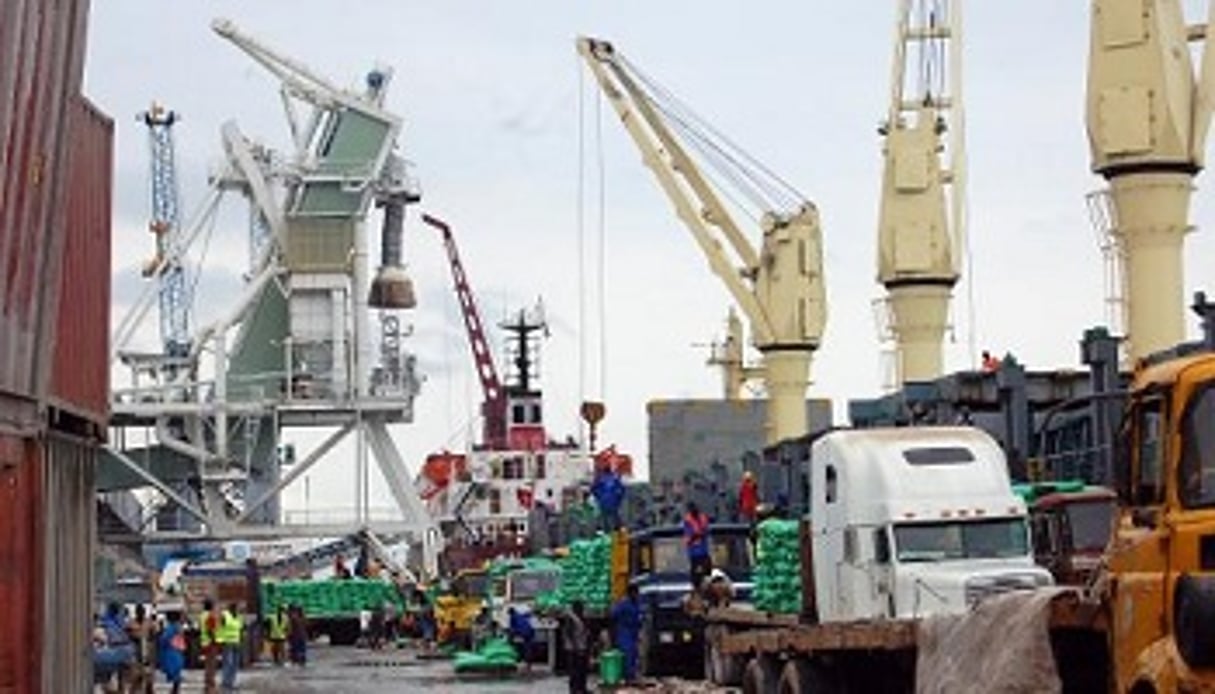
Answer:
(787, 373)
(1152, 209)
(919, 314)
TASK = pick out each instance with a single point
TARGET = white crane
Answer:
(779, 286)
(922, 218)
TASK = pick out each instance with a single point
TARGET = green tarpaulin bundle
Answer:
(778, 584)
(586, 574)
(494, 654)
(331, 598)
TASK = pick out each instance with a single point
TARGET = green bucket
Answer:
(611, 667)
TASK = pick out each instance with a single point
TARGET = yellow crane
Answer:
(779, 286)
(921, 225)
(1148, 118)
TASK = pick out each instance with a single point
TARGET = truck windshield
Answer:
(526, 585)
(731, 553)
(986, 539)
(1091, 523)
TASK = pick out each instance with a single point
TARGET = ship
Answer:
(501, 498)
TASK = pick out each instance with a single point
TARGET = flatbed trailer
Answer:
(767, 653)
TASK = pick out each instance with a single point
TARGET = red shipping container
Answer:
(47, 526)
(80, 377)
(21, 576)
(41, 63)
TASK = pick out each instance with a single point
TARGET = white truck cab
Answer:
(912, 522)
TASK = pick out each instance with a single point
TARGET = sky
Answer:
(490, 94)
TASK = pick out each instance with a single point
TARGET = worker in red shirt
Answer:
(748, 498)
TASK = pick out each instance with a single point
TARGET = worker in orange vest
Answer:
(696, 540)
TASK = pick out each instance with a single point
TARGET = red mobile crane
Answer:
(493, 407)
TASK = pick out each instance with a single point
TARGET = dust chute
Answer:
(391, 288)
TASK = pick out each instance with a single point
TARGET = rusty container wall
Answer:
(41, 63)
(21, 564)
(80, 376)
(68, 518)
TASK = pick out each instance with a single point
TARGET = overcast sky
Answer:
(490, 92)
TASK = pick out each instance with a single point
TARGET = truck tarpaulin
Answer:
(1004, 643)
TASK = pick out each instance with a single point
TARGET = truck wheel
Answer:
(761, 676)
(1194, 620)
(799, 676)
(722, 669)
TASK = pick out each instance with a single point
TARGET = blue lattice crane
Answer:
(166, 265)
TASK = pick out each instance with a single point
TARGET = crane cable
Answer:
(765, 188)
(602, 247)
(580, 225)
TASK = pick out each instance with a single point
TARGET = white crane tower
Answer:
(296, 350)
(1148, 119)
(922, 218)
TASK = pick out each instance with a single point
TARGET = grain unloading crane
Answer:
(779, 287)
(1148, 118)
(921, 225)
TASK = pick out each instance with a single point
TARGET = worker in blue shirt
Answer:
(522, 635)
(626, 620)
(608, 491)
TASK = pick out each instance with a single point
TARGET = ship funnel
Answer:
(391, 287)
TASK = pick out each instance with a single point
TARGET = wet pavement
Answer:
(348, 670)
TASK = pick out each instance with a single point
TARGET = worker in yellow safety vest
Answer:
(208, 625)
(276, 627)
(228, 636)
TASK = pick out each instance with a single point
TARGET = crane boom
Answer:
(921, 230)
(165, 224)
(779, 287)
(493, 407)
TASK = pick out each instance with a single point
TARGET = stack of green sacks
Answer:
(331, 598)
(495, 654)
(778, 581)
(586, 574)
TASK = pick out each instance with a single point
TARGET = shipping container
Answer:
(20, 564)
(68, 534)
(41, 63)
(47, 532)
(80, 376)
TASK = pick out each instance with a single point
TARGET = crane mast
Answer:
(779, 287)
(1148, 118)
(166, 266)
(921, 222)
(493, 406)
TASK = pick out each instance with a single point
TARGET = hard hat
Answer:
(748, 475)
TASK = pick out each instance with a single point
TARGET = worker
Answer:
(522, 635)
(142, 631)
(608, 491)
(339, 567)
(720, 589)
(576, 639)
(171, 650)
(990, 362)
(276, 629)
(696, 541)
(228, 636)
(297, 635)
(208, 627)
(748, 498)
(626, 623)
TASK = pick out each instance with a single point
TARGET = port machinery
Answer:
(202, 422)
